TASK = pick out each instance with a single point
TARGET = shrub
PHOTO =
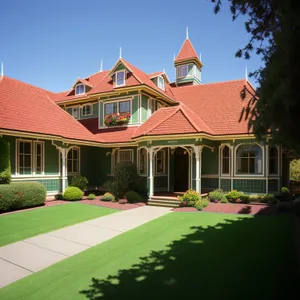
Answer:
(245, 198)
(217, 195)
(91, 197)
(284, 190)
(59, 197)
(201, 203)
(5, 171)
(255, 198)
(19, 195)
(123, 201)
(235, 196)
(108, 197)
(269, 199)
(133, 197)
(72, 193)
(80, 182)
(189, 198)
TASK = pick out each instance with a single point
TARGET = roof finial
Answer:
(187, 33)
(200, 56)
(120, 52)
(164, 70)
(246, 73)
(2, 69)
(101, 65)
(174, 57)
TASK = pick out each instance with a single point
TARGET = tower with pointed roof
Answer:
(188, 65)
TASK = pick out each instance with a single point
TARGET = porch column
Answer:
(198, 151)
(63, 152)
(232, 166)
(267, 168)
(151, 190)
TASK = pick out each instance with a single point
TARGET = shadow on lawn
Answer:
(246, 258)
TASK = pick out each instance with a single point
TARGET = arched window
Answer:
(273, 160)
(225, 159)
(87, 109)
(74, 160)
(249, 160)
(142, 164)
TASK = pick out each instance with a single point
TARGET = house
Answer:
(180, 134)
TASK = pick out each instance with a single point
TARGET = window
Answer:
(125, 156)
(124, 106)
(30, 157)
(160, 162)
(79, 89)
(158, 105)
(120, 78)
(161, 82)
(73, 160)
(249, 159)
(225, 160)
(273, 160)
(87, 109)
(182, 71)
(117, 107)
(142, 168)
(110, 108)
(75, 112)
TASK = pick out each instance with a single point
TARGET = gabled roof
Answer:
(156, 74)
(172, 120)
(84, 81)
(27, 108)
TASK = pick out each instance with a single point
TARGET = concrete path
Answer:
(23, 258)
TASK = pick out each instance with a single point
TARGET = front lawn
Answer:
(21, 225)
(178, 256)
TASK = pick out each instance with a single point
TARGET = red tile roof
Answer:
(84, 81)
(187, 51)
(155, 74)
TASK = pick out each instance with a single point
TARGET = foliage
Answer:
(284, 190)
(91, 197)
(108, 197)
(295, 169)
(125, 178)
(5, 171)
(269, 199)
(189, 198)
(116, 119)
(19, 195)
(80, 182)
(59, 196)
(255, 198)
(275, 36)
(235, 196)
(73, 193)
(123, 201)
(217, 195)
(201, 203)
(133, 197)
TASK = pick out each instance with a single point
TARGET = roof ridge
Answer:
(183, 109)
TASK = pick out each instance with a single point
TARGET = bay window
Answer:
(249, 159)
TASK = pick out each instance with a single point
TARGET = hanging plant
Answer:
(117, 119)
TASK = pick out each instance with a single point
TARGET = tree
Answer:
(295, 169)
(274, 27)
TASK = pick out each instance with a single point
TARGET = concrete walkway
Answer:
(23, 258)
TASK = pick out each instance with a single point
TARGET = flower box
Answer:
(116, 119)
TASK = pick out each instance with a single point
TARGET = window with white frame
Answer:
(125, 156)
(75, 112)
(225, 160)
(161, 82)
(30, 157)
(142, 165)
(182, 71)
(249, 160)
(87, 109)
(273, 160)
(73, 160)
(120, 78)
(117, 107)
(160, 162)
(79, 89)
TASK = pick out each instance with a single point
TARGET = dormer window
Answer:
(79, 89)
(182, 71)
(120, 78)
(161, 82)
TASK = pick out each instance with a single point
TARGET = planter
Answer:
(117, 119)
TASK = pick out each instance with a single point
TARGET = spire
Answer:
(246, 73)
(200, 56)
(101, 65)
(187, 33)
(187, 52)
(120, 52)
(2, 69)
(164, 70)
(174, 57)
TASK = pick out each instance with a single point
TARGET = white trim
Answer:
(181, 66)
(78, 112)
(77, 85)
(163, 82)
(31, 177)
(138, 161)
(221, 148)
(42, 156)
(116, 78)
(163, 161)
(113, 163)
(91, 109)
(79, 160)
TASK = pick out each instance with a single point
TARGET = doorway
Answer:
(181, 170)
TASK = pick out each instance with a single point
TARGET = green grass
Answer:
(178, 256)
(22, 225)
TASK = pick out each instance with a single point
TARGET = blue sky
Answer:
(51, 43)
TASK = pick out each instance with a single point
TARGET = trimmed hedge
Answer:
(19, 195)
(5, 171)
(91, 197)
(72, 193)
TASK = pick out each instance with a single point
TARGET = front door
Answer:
(181, 170)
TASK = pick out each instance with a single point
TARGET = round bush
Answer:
(217, 195)
(73, 193)
(133, 197)
(91, 197)
(80, 182)
(19, 195)
(189, 198)
(108, 197)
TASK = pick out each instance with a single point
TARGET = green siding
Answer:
(120, 67)
(209, 183)
(12, 143)
(209, 161)
(250, 185)
(171, 143)
(273, 185)
(135, 110)
(101, 111)
(69, 110)
(144, 108)
(51, 159)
